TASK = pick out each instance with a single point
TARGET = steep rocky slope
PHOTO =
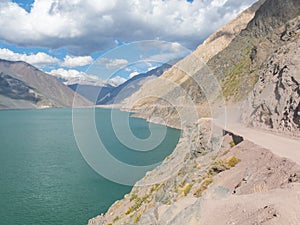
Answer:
(237, 66)
(240, 182)
(14, 93)
(24, 86)
(274, 103)
(181, 73)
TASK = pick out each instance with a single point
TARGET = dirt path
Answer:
(279, 145)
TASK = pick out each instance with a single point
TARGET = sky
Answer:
(65, 37)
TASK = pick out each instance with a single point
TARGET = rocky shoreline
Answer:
(213, 185)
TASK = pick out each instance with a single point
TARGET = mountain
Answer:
(239, 62)
(252, 176)
(92, 92)
(108, 94)
(131, 86)
(180, 74)
(24, 86)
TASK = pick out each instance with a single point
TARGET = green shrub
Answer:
(138, 203)
(233, 161)
(187, 189)
(128, 211)
(137, 219)
(134, 196)
(218, 167)
(116, 218)
(232, 144)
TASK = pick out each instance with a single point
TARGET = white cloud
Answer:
(112, 63)
(73, 74)
(72, 62)
(77, 77)
(133, 74)
(39, 59)
(116, 81)
(85, 26)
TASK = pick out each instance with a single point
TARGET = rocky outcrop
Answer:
(274, 103)
(24, 86)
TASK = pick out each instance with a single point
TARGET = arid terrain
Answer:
(250, 174)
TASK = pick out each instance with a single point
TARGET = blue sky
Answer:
(66, 37)
(25, 4)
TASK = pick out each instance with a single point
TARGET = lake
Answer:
(44, 178)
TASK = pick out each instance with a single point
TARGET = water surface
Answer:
(43, 177)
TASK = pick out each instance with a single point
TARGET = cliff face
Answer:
(274, 103)
(24, 86)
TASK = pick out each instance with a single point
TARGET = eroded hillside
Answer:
(238, 182)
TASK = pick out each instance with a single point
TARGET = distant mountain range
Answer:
(24, 86)
(108, 94)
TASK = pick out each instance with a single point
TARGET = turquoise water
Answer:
(43, 177)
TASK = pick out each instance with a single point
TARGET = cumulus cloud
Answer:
(85, 26)
(39, 59)
(72, 74)
(112, 63)
(72, 62)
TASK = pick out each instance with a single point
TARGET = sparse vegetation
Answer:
(218, 167)
(187, 189)
(179, 173)
(140, 200)
(234, 76)
(204, 153)
(133, 197)
(137, 219)
(128, 211)
(222, 165)
(187, 156)
(204, 185)
(232, 144)
(215, 168)
(116, 218)
(233, 161)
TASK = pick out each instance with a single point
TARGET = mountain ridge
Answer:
(50, 92)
